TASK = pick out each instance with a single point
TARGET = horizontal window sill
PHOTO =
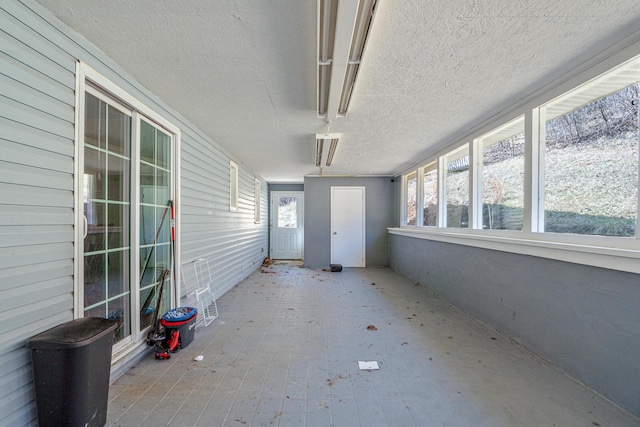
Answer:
(616, 253)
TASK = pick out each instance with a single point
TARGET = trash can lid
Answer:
(73, 334)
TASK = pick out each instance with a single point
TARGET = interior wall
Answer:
(379, 214)
(584, 320)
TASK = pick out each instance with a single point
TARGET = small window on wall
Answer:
(258, 200)
(411, 198)
(591, 156)
(233, 186)
(457, 187)
(503, 177)
(430, 195)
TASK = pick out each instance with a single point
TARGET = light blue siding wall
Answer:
(36, 204)
(38, 56)
(232, 243)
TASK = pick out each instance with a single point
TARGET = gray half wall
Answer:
(379, 214)
(584, 320)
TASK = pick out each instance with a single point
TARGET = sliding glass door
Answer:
(155, 220)
(107, 208)
(127, 206)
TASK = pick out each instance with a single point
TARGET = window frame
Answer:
(600, 87)
(405, 197)
(428, 168)
(458, 153)
(257, 197)
(497, 135)
(233, 186)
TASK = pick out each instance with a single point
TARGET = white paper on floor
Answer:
(367, 366)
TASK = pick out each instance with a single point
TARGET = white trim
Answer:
(79, 221)
(538, 125)
(420, 196)
(588, 250)
(403, 199)
(177, 211)
(442, 195)
(533, 180)
(98, 79)
(135, 224)
(257, 201)
(274, 197)
(475, 191)
(233, 186)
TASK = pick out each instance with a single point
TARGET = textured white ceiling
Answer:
(244, 71)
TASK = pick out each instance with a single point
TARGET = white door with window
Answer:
(348, 226)
(287, 224)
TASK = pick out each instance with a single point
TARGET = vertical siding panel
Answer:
(37, 73)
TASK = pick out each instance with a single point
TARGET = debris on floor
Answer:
(267, 263)
(372, 328)
(331, 382)
(368, 365)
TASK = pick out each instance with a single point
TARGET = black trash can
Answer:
(71, 368)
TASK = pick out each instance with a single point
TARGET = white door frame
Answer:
(273, 222)
(335, 225)
(86, 79)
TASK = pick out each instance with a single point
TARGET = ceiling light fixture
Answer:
(319, 144)
(343, 30)
(333, 139)
(326, 28)
(332, 151)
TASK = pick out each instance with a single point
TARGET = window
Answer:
(430, 195)
(502, 177)
(106, 202)
(287, 212)
(591, 156)
(559, 181)
(156, 199)
(411, 192)
(233, 186)
(257, 196)
(457, 187)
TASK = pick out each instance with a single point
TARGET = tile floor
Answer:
(285, 350)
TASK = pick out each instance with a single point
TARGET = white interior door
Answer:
(347, 226)
(287, 224)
